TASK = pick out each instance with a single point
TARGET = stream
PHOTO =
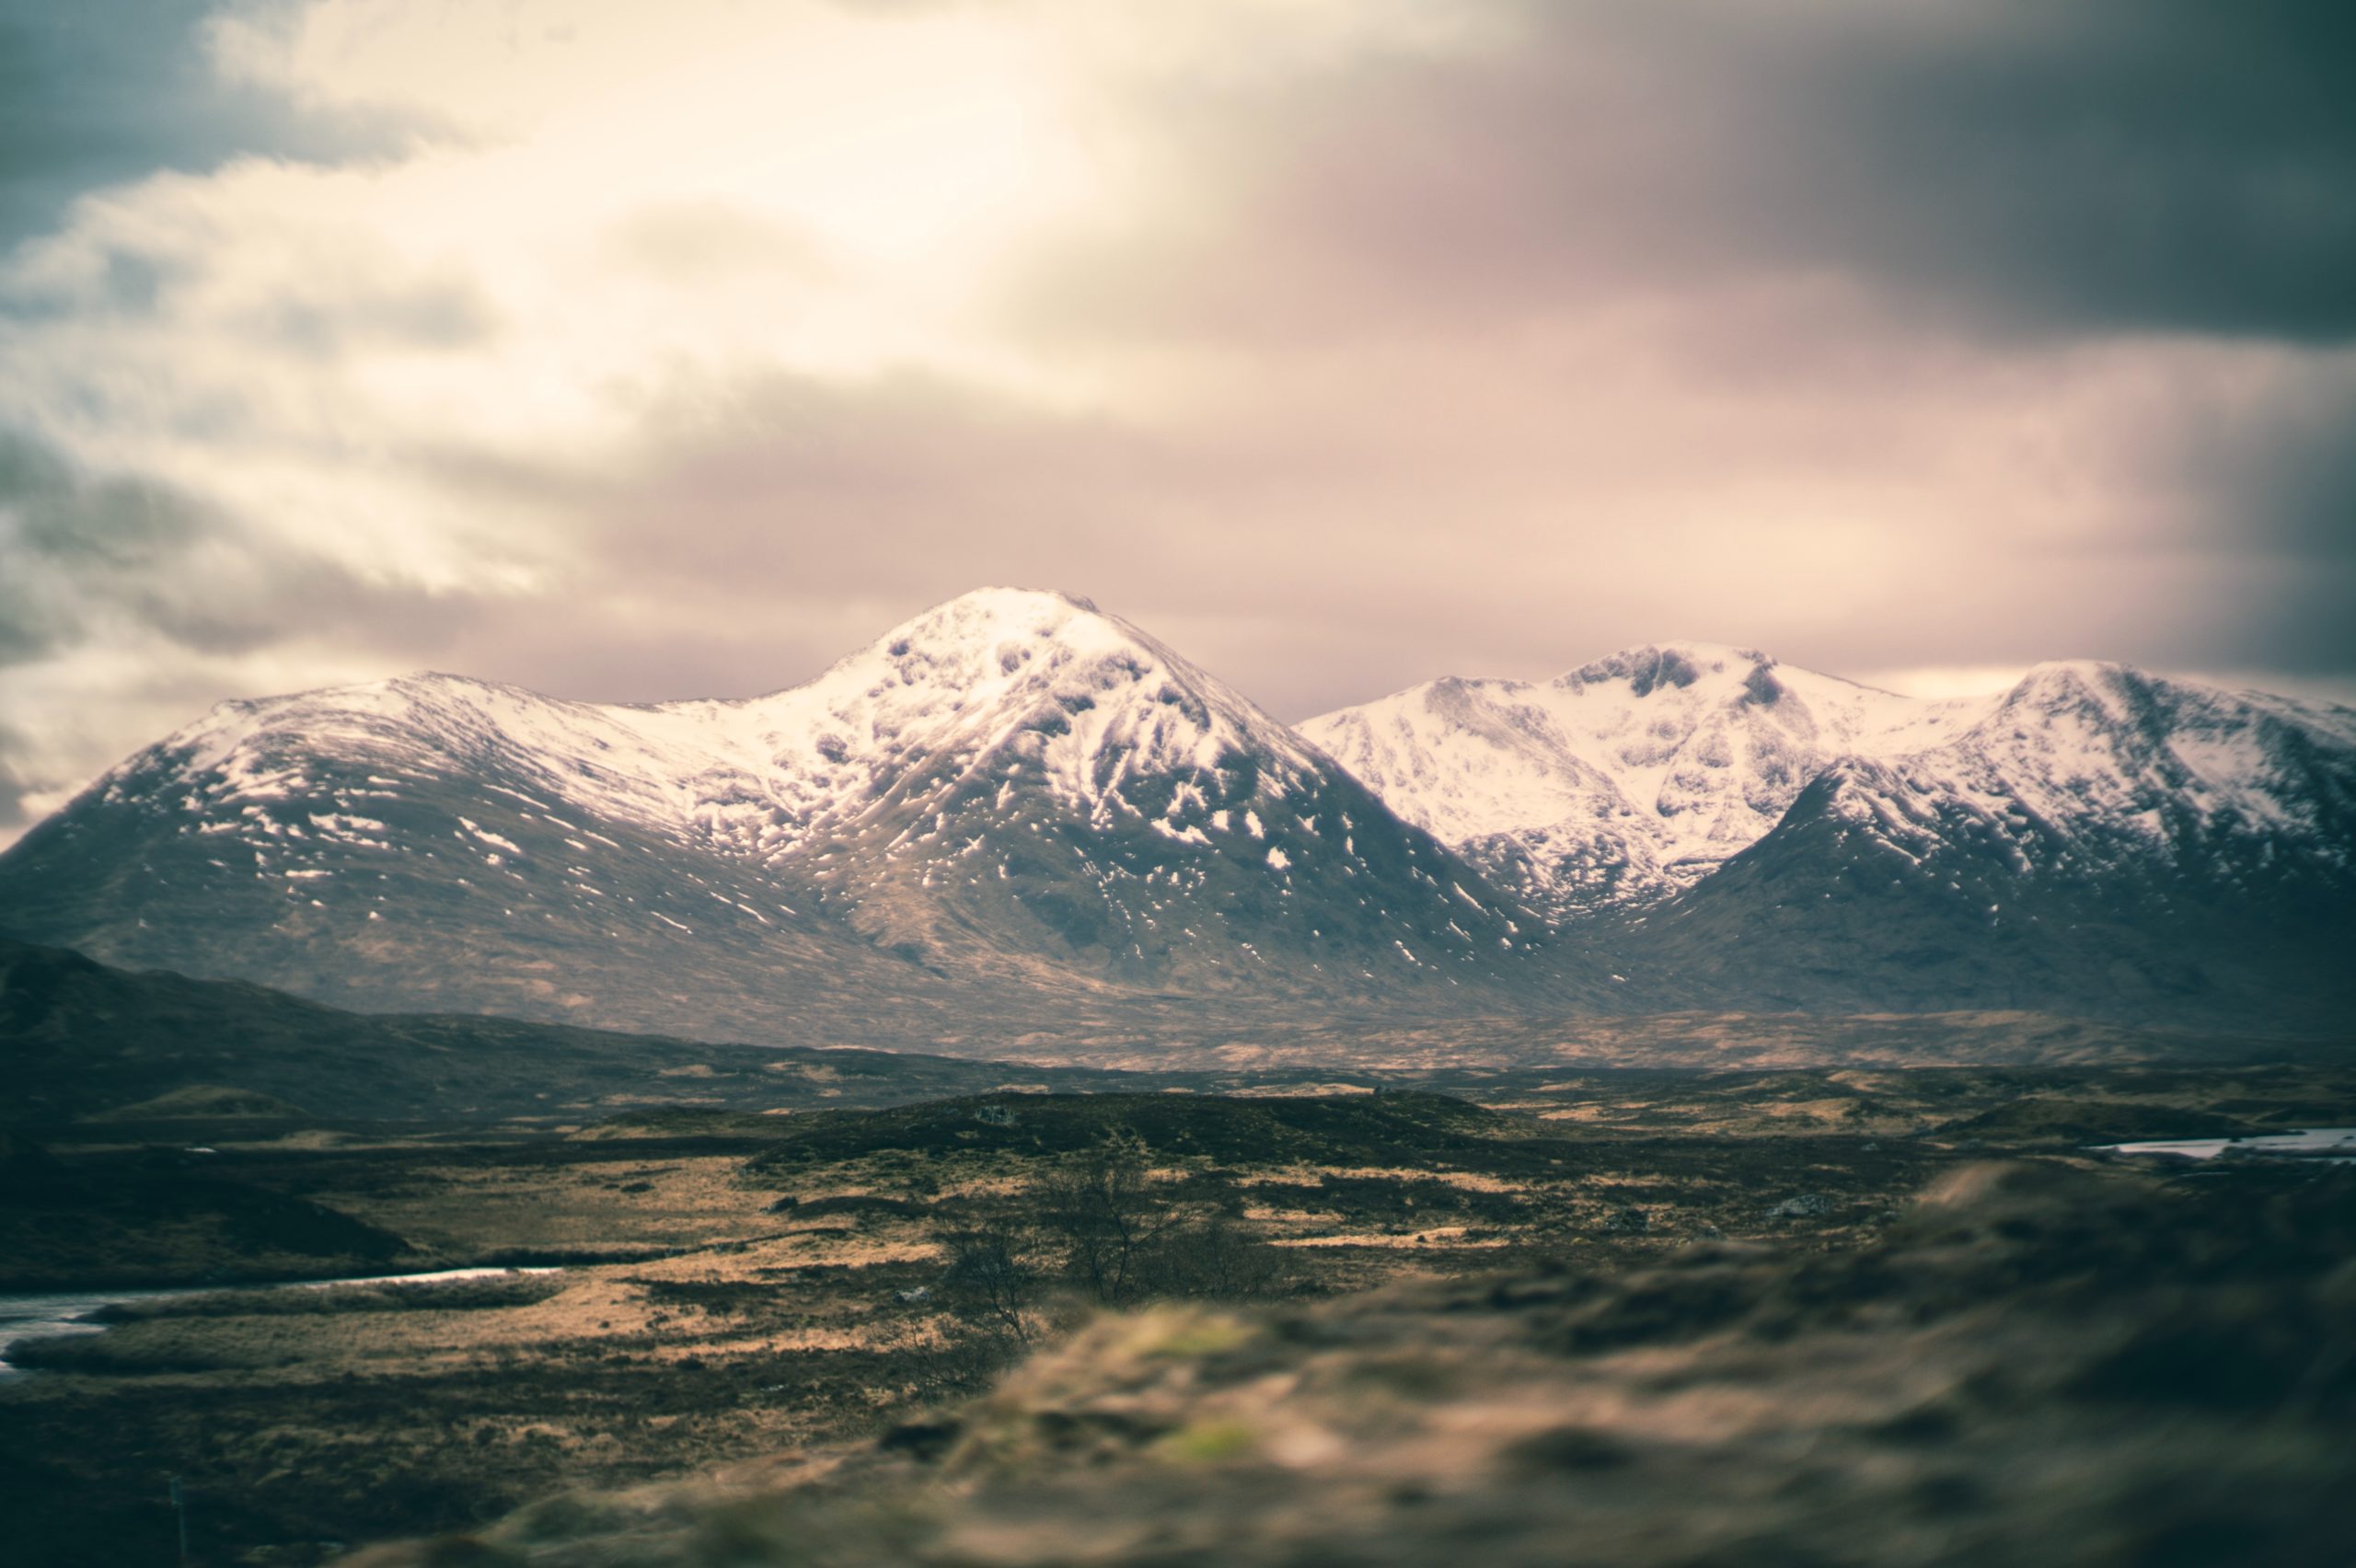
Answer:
(54, 1314)
(2315, 1143)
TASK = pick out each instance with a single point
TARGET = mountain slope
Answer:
(1724, 831)
(1015, 814)
(1637, 776)
(2149, 847)
(81, 1038)
(1624, 780)
(1011, 798)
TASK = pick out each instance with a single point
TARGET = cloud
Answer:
(2131, 163)
(2015, 167)
(126, 604)
(1976, 511)
(101, 91)
(636, 352)
(2266, 474)
(90, 556)
(14, 784)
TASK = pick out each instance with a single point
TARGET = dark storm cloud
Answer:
(2170, 164)
(1845, 204)
(2270, 482)
(2291, 460)
(2013, 165)
(94, 92)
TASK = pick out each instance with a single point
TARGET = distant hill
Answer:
(155, 1053)
(80, 1039)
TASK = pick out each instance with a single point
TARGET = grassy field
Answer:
(755, 1301)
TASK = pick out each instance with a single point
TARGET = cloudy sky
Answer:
(632, 351)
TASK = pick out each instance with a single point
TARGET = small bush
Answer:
(1095, 1226)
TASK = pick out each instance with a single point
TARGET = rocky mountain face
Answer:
(1729, 832)
(1011, 802)
(2134, 844)
(1014, 807)
(1627, 780)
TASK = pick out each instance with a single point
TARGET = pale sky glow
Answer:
(633, 352)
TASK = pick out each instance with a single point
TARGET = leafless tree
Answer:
(991, 1283)
(1100, 1205)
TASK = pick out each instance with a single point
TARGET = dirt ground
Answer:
(1579, 1306)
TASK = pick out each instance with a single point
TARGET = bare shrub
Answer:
(1100, 1207)
(991, 1283)
(1099, 1224)
(1215, 1259)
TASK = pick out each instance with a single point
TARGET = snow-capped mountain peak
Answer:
(1014, 795)
(1011, 782)
(1087, 699)
(2094, 752)
(1638, 774)
(1625, 777)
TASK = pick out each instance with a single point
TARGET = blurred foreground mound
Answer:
(2037, 1363)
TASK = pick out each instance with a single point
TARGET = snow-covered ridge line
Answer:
(1636, 775)
(1012, 795)
(1095, 700)
(1012, 784)
(1616, 785)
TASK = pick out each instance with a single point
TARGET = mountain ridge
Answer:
(1588, 805)
(1016, 805)
(1008, 795)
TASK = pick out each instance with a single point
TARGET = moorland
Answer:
(1281, 1297)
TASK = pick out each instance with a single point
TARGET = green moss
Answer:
(1209, 1443)
(1200, 1336)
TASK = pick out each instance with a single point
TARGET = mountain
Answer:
(1627, 780)
(1010, 803)
(1727, 831)
(1015, 819)
(86, 1040)
(2141, 845)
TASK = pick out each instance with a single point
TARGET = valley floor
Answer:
(1795, 1316)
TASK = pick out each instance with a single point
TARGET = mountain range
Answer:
(1736, 833)
(1015, 807)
